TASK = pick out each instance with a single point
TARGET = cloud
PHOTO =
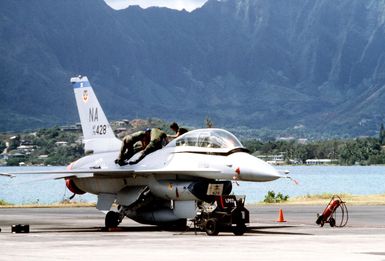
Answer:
(189, 5)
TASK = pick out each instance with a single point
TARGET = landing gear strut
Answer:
(113, 218)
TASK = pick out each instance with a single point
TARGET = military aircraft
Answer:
(168, 184)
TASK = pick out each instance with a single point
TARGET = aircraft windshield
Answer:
(207, 138)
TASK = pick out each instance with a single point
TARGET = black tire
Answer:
(20, 228)
(211, 227)
(332, 222)
(112, 219)
(319, 220)
(239, 230)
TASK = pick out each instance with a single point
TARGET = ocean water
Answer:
(27, 188)
(360, 180)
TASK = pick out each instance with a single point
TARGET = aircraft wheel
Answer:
(112, 219)
(239, 230)
(211, 227)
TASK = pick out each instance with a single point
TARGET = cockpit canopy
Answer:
(207, 138)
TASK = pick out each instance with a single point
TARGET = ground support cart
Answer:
(228, 214)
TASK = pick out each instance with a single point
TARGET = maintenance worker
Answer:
(131, 144)
(178, 131)
(158, 138)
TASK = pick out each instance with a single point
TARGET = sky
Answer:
(189, 5)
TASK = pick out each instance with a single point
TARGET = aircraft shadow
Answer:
(102, 229)
(254, 230)
(260, 230)
(191, 230)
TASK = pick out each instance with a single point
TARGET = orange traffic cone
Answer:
(280, 217)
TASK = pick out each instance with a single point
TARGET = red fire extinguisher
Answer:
(327, 215)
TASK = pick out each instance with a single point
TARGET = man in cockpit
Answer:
(178, 131)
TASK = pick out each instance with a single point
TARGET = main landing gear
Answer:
(113, 219)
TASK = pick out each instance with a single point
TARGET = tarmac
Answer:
(78, 234)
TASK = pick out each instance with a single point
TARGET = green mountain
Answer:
(312, 64)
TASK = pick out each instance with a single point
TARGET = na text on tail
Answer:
(98, 135)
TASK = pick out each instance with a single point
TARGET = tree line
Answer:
(363, 151)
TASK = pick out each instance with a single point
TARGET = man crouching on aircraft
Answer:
(158, 139)
(130, 145)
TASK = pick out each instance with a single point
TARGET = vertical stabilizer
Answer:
(97, 132)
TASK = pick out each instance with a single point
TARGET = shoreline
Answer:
(323, 199)
(53, 205)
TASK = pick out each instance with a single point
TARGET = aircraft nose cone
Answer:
(250, 168)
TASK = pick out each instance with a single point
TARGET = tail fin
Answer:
(97, 132)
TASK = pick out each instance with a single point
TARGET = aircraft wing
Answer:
(7, 175)
(112, 173)
(81, 173)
